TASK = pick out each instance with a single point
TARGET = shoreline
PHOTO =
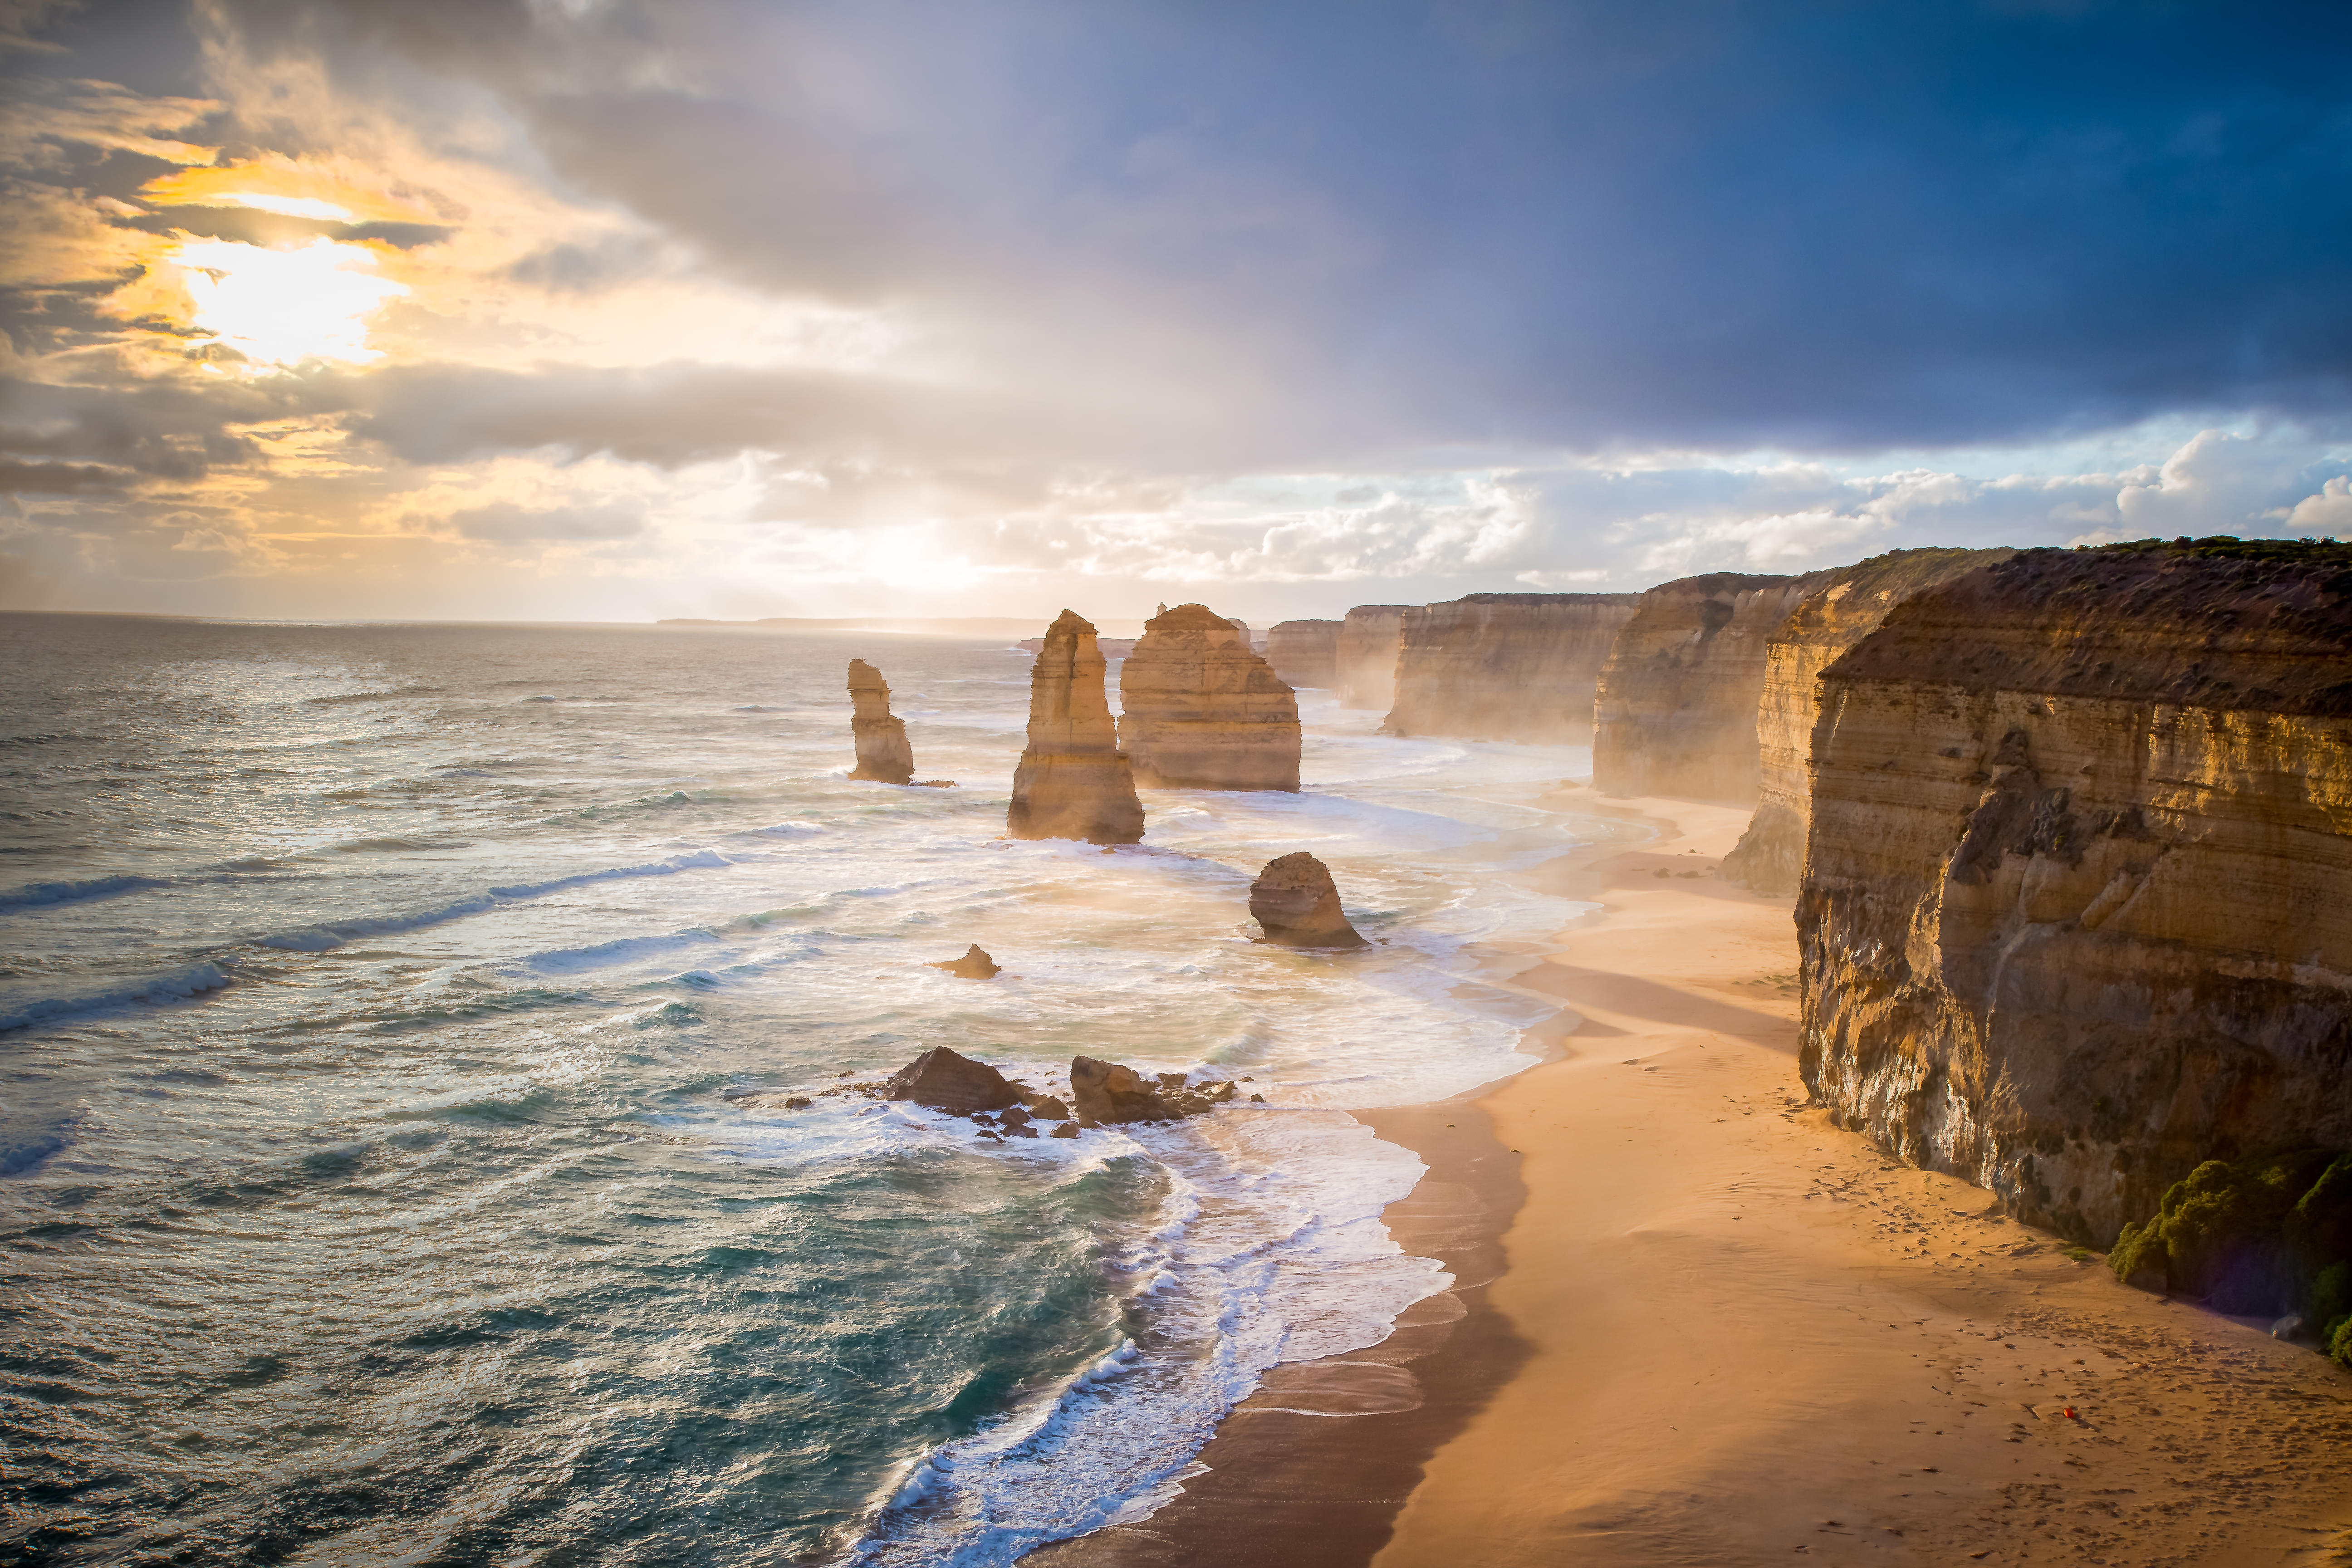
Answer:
(1695, 1324)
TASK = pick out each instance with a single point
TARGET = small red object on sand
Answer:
(2070, 1413)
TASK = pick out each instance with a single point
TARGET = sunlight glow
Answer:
(288, 206)
(279, 306)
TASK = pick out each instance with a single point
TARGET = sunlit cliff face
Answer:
(626, 309)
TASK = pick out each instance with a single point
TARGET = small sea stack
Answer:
(975, 965)
(883, 754)
(1074, 781)
(1203, 712)
(1297, 904)
(947, 1080)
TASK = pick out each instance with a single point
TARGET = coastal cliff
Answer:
(2077, 909)
(1304, 653)
(1506, 667)
(1837, 609)
(1364, 656)
(883, 754)
(1200, 710)
(1073, 782)
(1674, 712)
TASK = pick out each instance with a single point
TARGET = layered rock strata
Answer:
(1364, 656)
(1837, 609)
(1304, 653)
(1674, 712)
(1073, 782)
(1506, 667)
(2077, 909)
(883, 754)
(1200, 710)
(1296, 904)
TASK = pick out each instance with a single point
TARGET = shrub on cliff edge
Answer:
(2258, 1236)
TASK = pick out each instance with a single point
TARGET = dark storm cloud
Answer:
(1823, 225)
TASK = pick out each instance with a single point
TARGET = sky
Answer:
(620, 310)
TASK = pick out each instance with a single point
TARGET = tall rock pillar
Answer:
(883, 754)
(1074, 781)
(1200, 710)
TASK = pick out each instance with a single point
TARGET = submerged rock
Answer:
(975, 965)
(1297, 904)
(1200, 710)
(1074, 781)
(1106, 1092)
(946, 1080)
(883, 754)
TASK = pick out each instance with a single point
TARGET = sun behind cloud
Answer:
(280, 307)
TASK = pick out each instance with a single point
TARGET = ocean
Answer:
(394, 1021)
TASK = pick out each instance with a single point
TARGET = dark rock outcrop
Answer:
(1364, 656)
(1073, 782)
(1675, 713)
(1304, 653)
(975, 965)
(883, 754)
(1506, 667)
(946, 1080)
(2077, 907)
(1297, 902)
(1108, 1093)
(1839, 608)
(1200, 710)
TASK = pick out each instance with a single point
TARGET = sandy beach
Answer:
(1693, 1323)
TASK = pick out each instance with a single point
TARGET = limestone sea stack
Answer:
(1364, 656)
(1073, 782)
(2077, 909)
(1506, 667)
(883, 754)
(1304, 653)
(1674, 712)
(1296, 903)
(1839, 608)
(1200, 710)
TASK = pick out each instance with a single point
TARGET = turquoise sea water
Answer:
(389, 1169)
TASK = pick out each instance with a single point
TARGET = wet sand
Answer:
(1696, 1324)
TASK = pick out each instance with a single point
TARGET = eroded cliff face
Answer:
(1200, 710)
(1675, 713)
(883, 753)
(2077, 909)
(1506, 667)
(1364, 658)
(1073, 782)
(1304, 653)
(1835, 610)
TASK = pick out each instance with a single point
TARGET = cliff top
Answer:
(2252, 624)
(1707, 584)
(1280, 624)
(1539, 599)
(1380, 610)
(1068, 624)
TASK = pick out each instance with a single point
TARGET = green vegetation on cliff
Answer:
(2261, 1236)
